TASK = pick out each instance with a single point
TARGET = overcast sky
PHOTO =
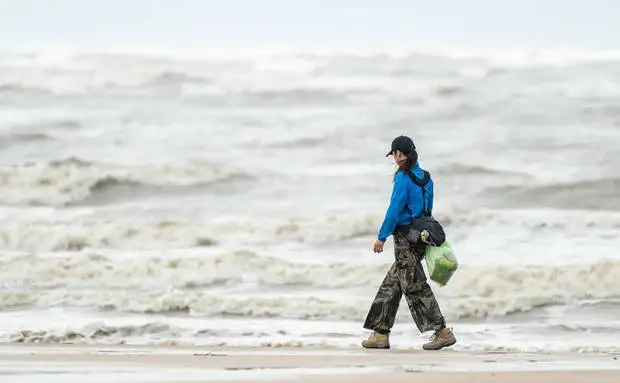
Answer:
(251, 23)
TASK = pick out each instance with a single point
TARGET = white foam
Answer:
(198, 284)
(509, 237)
(62, 182)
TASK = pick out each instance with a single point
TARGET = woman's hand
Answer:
(378, 246)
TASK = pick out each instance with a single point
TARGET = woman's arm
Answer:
(397, 203)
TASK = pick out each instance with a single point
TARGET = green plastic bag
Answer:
(441, 263)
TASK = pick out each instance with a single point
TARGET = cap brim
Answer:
(389, 154)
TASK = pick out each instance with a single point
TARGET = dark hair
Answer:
(412, 158)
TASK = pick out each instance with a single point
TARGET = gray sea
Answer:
(231, 198)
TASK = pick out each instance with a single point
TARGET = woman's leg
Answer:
(419, 296)
(421, 300)
(382, 313)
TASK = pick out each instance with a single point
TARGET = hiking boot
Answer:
(441, 338)
(377, 340)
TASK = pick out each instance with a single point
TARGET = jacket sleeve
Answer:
(397, 203)
(431, 195)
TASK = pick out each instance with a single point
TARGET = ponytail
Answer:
(412, 158)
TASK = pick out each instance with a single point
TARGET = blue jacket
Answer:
(405, 194)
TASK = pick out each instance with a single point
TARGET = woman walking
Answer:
(412, 197)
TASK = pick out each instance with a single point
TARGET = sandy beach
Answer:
(165, 364)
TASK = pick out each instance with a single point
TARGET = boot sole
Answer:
(376, 348)
(439, 348)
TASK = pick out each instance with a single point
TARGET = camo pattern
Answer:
(405, 277)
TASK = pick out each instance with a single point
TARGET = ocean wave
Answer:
(304, 61)
(10, 139)
(346, 94)
(183, 283)
(184, 271)
(307, 94)
(94, 333)
(597, 194)
(23, 89)
(171, 337)
(163, 334)
(308, 307)
(537, 220)
(177, 77)
(40, 236)
(465, 169)
(296, 142)
(321, 80)
(69, 181)
(37, 125)
(291, 78)
(191, 89)
(588, 328)
(78, 234)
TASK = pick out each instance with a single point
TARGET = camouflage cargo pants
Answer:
(405, 277)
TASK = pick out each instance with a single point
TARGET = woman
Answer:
(406, 276)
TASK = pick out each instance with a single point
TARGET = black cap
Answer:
(402, 143)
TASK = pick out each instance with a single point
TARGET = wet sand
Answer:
(178, 364)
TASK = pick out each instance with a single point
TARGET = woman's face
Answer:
(399, 157)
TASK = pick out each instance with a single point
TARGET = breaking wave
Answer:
(600, 194)
(130, 233)
(310, 77)
(70, 181)
(164, 334)
(185, 283)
